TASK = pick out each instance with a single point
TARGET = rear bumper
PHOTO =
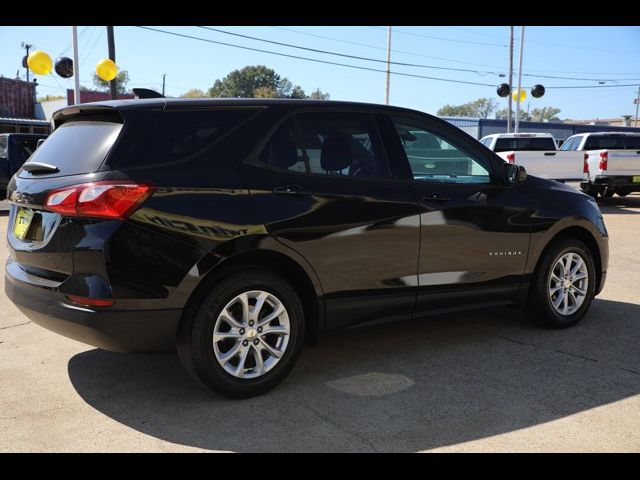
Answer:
(108, 329)
(619, 181)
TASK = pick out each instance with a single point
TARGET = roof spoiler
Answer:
(146, 93)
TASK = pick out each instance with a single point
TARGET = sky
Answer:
(597, 54)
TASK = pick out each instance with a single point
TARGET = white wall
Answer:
(51, 106)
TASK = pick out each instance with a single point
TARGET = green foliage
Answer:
(318, 94)
(480, 108)
(503, 113)
(255, 81)
(122, 81)
(194, 93)
(545, 114)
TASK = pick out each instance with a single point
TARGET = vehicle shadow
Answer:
(617, 205)
(402, 386)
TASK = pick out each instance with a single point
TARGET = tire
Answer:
(608, 193)
(539, 306)
(591, 191)
(195, 343)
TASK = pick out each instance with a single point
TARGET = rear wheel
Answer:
(608, 193)
(563, 285)
(245, 336)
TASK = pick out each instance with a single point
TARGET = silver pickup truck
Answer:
(611, 162)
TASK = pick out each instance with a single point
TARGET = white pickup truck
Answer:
(611, 162)
(538, 153)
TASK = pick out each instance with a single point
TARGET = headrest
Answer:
(336, 154)
(284, 153)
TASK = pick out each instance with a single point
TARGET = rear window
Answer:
(532, 143)
(612, 142)
(76, 147)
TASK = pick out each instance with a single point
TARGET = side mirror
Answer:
(514, 173)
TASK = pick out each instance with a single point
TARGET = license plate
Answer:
(636, 179)
(23, 222)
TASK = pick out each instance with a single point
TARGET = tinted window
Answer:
(165, 138)
(432, 158)
(486, 141)
(530, 143)
(77, 147)
(284, 150)
(631, 142)
(342, 144)
(3, 146)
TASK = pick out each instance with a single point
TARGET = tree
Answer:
(255, 81)
(47, 98)
(480, 108)
(318, 94)
(122, 79)
(545, 114)
(194, 93)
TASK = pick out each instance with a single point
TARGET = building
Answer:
(622, 121)
(481, 127)
(18, 107)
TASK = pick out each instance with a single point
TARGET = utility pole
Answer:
(637, 105)
(113, 84)
(76, 66)
(509, 110)
(27, 47)
(386, 100)
(163, 77)
(519, 79)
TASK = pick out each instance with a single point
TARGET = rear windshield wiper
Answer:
(33, 167)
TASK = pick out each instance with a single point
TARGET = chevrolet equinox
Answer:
(234, 231)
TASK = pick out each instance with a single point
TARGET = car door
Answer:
(474, 228)
(324, 187)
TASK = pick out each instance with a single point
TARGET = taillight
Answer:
(112, 200)
(511, 157)
(604, 159)
(585, 167)
(91, 302)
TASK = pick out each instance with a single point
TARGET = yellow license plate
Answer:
(636, 179)
(23, 222)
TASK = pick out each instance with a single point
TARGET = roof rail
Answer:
(146, 93)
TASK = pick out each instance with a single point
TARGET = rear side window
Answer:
(532, 143)
(630, 142)
(570, 144)
(76, 147)
(3, 147)
(171, 137)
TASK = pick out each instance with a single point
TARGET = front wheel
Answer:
(563, 285)
(245, 336)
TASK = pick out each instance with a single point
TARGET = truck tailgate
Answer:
(623, 162)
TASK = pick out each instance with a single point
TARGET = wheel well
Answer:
(276, 263)
(585, 237)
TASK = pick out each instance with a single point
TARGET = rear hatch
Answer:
(41, 239)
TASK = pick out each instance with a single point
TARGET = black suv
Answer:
(236, 230)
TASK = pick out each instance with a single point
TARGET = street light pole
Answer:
(386, 101)
(510, 109)
(519, 79)
(76, 66)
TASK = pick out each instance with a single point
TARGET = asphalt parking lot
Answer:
(474, 381)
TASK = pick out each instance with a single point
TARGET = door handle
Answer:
(291, 190)
(549, 154)
(434, 197)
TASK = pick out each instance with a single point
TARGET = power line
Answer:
(326, 62)
(345, 55)
(357, 67)
(356, 57)
(86, 56)
(447, 39)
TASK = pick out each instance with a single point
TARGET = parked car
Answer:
(15, 149)
(611, 162)
(236, 230)
(538, 153)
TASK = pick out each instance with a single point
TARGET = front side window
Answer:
(570, 144)
(284, 150)
(434, 159)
